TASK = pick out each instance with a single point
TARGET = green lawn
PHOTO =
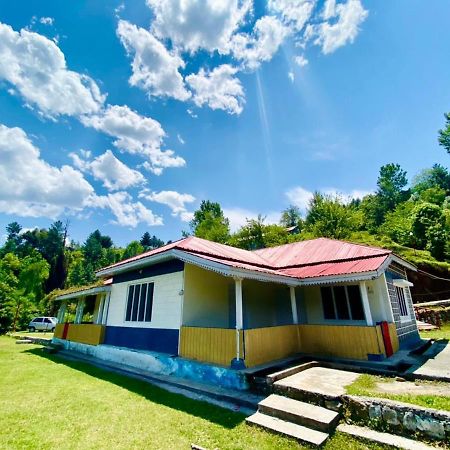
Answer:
(36, 334)
(75, 405)
(365, 385)
(442, 333)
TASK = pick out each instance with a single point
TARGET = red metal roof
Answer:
(307, 259)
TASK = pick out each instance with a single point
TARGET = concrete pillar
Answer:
(79, 311)
(99, 317)
(293, 305)
(365, 302)
(62, 312)
(239, 314)
(105, 308)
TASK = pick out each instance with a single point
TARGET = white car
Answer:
(43, 324)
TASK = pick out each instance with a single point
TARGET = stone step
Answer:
(298, 412)
(24, 341)
(298, 432)
(370, 435)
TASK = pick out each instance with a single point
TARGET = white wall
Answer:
(167, 302)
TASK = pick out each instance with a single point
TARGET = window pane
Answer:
(129, 303)
(142, 303)
(148, 309)
(134, 312)
(354, 298)
(327, 303)
(401, 301)
(341, 303)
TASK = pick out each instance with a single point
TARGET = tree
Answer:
(291, 217)
(328, 217)
(150, 242)
(398, 224)
(210, 223)
(391, 181)
(425, 216)
(444, 134)
(435, 177)
(133, 248)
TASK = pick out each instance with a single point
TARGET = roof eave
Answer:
(83, 293)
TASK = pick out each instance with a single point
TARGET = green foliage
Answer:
(210, 223)
(150, 242)
(255, 235)
(444, 134)
(133, 248)
(291, 217)
(398, 224)
(436, 177)
(328, 217)
(425, 215)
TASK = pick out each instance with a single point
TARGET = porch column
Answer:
(293, 305)
(79, 311)
(365, 302)
(239, 315)
(105, 308)
(62, 312)
(99, 317)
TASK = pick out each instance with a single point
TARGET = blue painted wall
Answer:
(163, 268)
(152, 339)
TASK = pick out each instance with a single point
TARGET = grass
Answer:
(366, 385)
(48, 402)
(36, 334)
(442, 333)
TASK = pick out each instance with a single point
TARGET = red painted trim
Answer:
(65, 331)
(387, 339)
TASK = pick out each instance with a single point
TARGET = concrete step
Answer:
(289, 429)
(370, 435)
(24, 341)
(298, 412)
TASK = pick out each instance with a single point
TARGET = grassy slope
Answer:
(442, 333)
(365, 385)
(52, 403)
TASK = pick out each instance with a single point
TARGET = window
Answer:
(342, 303)
(401, 301)
(139, 303)
(39, 319)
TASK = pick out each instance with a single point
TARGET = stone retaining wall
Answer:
(398, 418)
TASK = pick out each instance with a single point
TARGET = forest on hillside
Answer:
(409, 216)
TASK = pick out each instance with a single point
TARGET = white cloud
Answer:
(180, 139)
(265, 40)
(32, 187)
(295, 13)
(300, 61)
(155, 69)
(127, 213)
(219, 89)
(37, 69)
(47, 20)
(299, 197)
(111, 171)
(291, 76)
(238, 217)
(330, 36)
(136, 134)
(194, 24)
(174, 200)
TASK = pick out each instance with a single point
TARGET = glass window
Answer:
(401, 301)
(342, 303)
(354, 299)
(327, 303)
(139, 303)
(39, 319)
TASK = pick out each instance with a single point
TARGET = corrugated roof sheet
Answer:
(306, 259)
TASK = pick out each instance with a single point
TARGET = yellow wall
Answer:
(394, 337)
(214, 345)
(206, 302)
(269, 344)
(86, 333)
(341, 341)
(59, 330)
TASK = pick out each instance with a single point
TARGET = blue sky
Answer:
(123, 116)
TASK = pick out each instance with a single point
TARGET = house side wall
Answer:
(407, 331)
(161, 333)
(206, 298)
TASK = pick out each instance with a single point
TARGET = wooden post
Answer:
(239, 315)
(293, 305)
(365, 302)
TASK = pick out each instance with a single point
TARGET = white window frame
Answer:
(133, 304)
(407, 317)
(347, 298)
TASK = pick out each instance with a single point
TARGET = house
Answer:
(200, 309)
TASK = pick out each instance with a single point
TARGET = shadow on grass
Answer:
(198, 408)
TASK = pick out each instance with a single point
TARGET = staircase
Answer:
(302, 421)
